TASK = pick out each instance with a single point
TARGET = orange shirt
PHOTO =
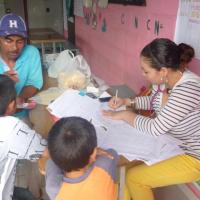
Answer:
(97, 183)
(97, 186)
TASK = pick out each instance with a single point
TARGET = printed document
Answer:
(116, 134)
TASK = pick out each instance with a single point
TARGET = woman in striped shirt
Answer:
(175, 100)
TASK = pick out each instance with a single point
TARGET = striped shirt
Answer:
(180, 117)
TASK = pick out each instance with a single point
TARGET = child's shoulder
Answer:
(7, 124)
(109, 165)
(8, 119)
(107, 162)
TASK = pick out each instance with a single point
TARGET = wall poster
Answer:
(188, 24)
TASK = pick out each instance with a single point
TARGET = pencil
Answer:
(116, 94)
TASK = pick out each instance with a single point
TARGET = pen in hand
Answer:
(116, 95)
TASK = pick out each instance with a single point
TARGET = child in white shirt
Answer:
(17, 140)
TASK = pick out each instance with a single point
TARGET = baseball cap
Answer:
(12, 24)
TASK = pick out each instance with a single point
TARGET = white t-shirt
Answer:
(17, 141)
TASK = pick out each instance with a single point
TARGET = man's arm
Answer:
(27, 92)
(34, 79)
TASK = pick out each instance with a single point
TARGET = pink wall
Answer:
(114, 55)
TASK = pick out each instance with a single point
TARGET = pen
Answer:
(104, 128)
(116, 94)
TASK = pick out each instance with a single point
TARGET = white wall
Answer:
(37, 14)
(40, 18)
(2, 8)
(15, 6)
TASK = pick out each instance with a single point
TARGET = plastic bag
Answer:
(79, 63)
(74, 79)
(49, 59)
(62, 62)
(77, 76)
(70, 71)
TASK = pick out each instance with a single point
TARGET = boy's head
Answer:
(7, 95)
(71, 143)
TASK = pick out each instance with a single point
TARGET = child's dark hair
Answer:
(71, 141)
(162, 52)
(7, 93)
(187, 52)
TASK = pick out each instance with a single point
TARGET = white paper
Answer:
(116, 134)
(70, 103)
(105, 94)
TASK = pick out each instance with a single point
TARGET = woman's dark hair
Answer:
(162, 52)
(187, 52)
(7, 93)
(71, 141)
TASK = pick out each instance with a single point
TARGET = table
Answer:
(41, 120)
(40, 116)
(50, 41)
(47, 36)
(45, 118)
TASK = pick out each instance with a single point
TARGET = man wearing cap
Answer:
(19, 60)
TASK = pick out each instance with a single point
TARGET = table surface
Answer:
(42, 122)
(45, 118)
(38, 35)
(39, 114)
(122, 162)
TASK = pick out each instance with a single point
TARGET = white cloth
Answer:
(17, 141)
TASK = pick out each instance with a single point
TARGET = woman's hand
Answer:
(125, 115)
(116, 102)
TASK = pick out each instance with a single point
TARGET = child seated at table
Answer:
(76, 171)
(17, 140)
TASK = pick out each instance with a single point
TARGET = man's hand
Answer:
(20, 100)
(13, 75)
(27, 92)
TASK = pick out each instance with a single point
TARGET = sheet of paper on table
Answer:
(126, 140)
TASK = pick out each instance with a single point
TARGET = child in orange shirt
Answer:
(76, 171)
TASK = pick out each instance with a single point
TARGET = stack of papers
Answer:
(126, 140)
(74, 103)
(135, 145)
